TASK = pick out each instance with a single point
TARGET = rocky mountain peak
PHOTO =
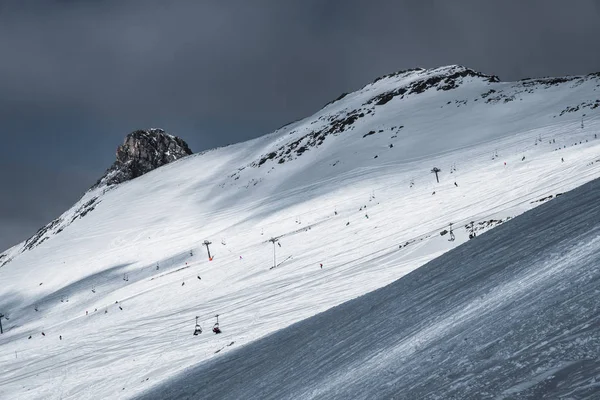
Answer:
(141, 152)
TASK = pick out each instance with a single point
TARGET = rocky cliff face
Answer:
(141, 152)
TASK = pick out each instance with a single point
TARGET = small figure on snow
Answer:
(199, 278)
(321, 264)
(455, 184)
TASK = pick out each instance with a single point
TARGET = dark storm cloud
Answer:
(76, 76)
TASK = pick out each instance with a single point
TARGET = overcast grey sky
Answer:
(77, 76)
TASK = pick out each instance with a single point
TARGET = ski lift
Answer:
(472, 234)
(197, 328)
(216, 328)
(451, 239)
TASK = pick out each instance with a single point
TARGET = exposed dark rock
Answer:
(443, 81)
(85, 209)
(142, 152)
(341, 96)
(4, 260)
(547, 82)
(405, 71)
(486, 94)
(369, 134)
(40, 235)
(591, 105)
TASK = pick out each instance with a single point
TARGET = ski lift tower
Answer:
(436, 171)
(207, 243)
(451, 234)
(274, 241)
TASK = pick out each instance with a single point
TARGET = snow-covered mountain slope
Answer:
(511, 314)
(349, 187)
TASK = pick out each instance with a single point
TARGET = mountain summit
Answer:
(141, 152)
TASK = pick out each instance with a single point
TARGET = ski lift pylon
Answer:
(451, 239)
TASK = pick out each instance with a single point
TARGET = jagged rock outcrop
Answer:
(141, 152)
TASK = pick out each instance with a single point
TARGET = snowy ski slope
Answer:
(311, 184)
(511, 315)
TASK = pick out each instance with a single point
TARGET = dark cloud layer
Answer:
(76, 76)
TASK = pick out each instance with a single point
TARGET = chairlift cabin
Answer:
(197, 328)
(216, 328)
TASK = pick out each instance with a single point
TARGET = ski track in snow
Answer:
(158, 219)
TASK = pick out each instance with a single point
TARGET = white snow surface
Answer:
(141, 243)
(511, 314)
